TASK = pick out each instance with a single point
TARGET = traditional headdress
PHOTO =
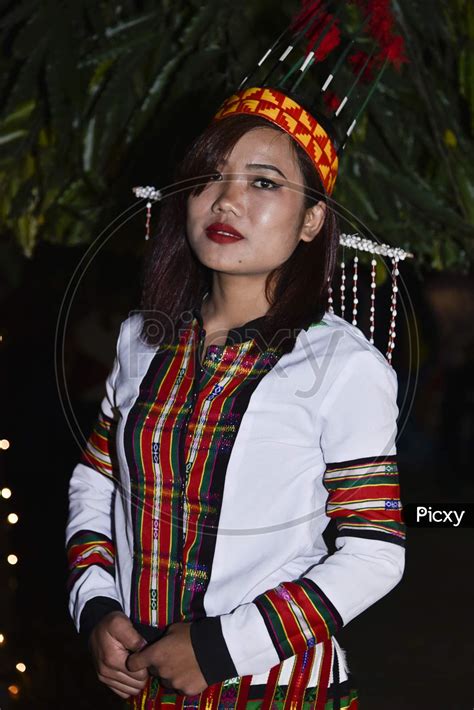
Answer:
(280, 89)
(322, 125)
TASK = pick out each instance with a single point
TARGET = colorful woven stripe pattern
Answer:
(364, 498)
(88, 548)
(298, 615)
(278, 108)
(98, 453)
(175, 427)
(240, 694)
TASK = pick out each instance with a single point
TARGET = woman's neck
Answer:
(222, 312)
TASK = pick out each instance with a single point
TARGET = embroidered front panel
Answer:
(151, 440)
(178, 439)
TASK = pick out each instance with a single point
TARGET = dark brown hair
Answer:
(174, 280)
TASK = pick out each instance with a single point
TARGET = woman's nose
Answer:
(229, 196)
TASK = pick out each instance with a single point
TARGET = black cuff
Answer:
(149, 633)
(94, 610)
(211, 650)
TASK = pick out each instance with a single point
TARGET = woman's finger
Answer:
(137, 675)
(121, 679)
(108, 668)
(124, 676)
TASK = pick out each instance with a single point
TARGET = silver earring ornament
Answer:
(149, 193)
(355, 300)
(343, 289)
(396, 254)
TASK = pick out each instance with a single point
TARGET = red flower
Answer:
(314, 10)
(380, 27)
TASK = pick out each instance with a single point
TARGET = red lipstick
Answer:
(223, 233)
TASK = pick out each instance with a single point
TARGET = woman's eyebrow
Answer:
(262, 166)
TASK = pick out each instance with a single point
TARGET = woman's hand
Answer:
(172, 658)
(110, 642)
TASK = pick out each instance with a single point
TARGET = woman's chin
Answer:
(217, 261)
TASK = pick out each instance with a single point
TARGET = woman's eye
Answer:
(266, 184)
(270, 184)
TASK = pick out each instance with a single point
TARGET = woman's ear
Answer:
(313, 221)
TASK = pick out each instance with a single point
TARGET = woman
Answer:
(240, 416)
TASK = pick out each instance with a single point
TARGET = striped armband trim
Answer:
(99, 452)
(298, 615)
(87, 548)
(364, 498)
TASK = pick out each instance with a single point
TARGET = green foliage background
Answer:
(100, 96)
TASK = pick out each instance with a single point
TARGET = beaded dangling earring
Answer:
(343, 287)
(393, 310)
(148, 193)
(330, 298)
(373, 274)
(148, 219)
(355, 300)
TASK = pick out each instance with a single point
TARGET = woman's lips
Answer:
(223, 233)
(221, 238)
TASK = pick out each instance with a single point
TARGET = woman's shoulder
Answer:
(342, 342)
(132, 324)
(348, 365)
(130, 329)
(130, 340)
(133, 356)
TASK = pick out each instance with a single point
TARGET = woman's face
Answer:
(251, 194)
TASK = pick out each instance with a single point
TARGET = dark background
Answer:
(411, 650)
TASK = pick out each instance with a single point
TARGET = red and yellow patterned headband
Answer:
(292, 118)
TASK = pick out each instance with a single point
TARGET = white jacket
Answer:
(204, 491)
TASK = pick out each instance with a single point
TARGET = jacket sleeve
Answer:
(89, 539)
(358, 426)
